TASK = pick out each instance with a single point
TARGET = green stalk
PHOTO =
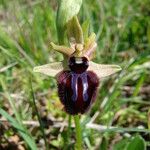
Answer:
(61, 39)
(78, 133)
(69, 126)
(73, 28)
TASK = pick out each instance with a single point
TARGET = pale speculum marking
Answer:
(74, 85)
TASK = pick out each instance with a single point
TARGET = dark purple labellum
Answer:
(77, 88)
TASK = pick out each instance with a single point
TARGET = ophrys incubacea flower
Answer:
(79, 78)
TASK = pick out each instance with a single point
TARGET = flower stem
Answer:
(78, 133)
(69, 126)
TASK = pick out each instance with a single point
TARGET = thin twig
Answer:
(5, 68)
(98, 127)
(56, 124)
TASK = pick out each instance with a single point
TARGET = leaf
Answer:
(21, 129)
(104, 144)
(148, 115)
(67, 9)
(121, 145)
(148, 33)
(137, 143)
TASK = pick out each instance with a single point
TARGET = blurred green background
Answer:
(123, 35)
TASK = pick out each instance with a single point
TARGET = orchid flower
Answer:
(77, 75)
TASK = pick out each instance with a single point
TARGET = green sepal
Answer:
(74, 31)
(85, 29)
(67, 9)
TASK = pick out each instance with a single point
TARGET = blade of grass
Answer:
(17, 123)
(12, 104)
(21, 129)
(104, 129)
(38, 115)
(139, 84)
